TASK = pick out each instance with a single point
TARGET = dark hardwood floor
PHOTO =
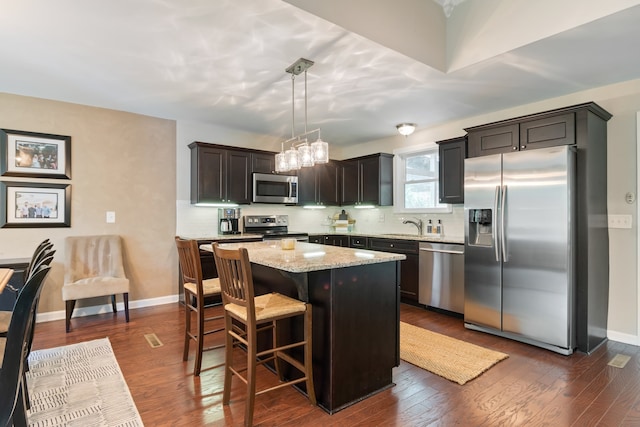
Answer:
(533, 387)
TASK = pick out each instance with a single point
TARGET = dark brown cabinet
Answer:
(336, 240)
(219, 175)
(408, 268)
(368, 180)
(542, 130)
(319, 185)
(357, 242)
(263, 162)
(548, 131)
(330, 239)
(452, 153)
(316, 239)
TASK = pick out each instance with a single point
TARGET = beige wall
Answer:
(120, 162)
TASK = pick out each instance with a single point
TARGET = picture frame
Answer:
(34, 155)
(34, 205)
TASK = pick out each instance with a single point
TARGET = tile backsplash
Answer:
(202, 221)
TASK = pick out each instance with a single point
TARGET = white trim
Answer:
(623, 338)
(106, 308)
(398, 180)
(637, 231)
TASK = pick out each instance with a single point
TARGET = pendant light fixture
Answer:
(301, 153)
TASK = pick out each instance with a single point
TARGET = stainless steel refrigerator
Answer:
(519, 246)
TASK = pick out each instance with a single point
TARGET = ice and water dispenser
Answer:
(480, 227)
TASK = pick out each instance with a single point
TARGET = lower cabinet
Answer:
(330, 239)
(357, 242)
(334, 240)
(408, 268)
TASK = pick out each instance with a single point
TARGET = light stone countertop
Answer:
(220, 237)
(308, 257)
(435, 238)
(424, 238)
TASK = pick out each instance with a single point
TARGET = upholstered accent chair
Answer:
(93, 268)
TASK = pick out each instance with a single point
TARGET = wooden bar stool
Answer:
(258, 314)
(196, 289)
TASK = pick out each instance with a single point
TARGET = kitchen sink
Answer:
(400, 235)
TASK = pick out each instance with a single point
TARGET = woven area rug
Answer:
(455, 360)
(79, 385)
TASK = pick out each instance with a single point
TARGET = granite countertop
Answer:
(220, 237)
(308, 257)
(424, 238)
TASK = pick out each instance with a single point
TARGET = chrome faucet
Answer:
(417, 223)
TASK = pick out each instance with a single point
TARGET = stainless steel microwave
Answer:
(268, 188)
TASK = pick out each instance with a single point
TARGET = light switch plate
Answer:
(111, 217)
(620, 221)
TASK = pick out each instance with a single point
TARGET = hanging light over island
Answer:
(300, 153)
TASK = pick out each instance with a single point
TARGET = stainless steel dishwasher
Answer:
(441, 276)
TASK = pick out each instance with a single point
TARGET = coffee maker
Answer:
(229, 221)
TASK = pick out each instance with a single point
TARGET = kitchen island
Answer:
(355, 298)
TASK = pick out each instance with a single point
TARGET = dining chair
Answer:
(45, 259)
(42, 250)
(196, 289)
(12, 383)
(93, 267)
(258, 314)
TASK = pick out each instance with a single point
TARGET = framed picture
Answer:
(30, 205)
(34, 155)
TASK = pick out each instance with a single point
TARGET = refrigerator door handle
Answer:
(502, 229)
(494, 231)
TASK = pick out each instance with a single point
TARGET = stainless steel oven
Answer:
(272, 227)
(268, 188)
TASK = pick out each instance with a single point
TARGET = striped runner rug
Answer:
(79, 385)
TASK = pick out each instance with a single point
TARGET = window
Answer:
(416, 181)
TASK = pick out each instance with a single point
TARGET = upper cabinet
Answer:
(542, 130)
(263, 162)
(219, 174)
(368, 180)
(319, 185)
(452, 153)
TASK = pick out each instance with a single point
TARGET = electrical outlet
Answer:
(111, 217)
(620, 221)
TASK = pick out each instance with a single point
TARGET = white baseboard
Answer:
(623, 338)
(106, 308)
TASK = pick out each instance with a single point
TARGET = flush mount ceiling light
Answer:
(406, 129)
(301, 153)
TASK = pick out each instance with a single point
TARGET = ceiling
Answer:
(223, 62)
